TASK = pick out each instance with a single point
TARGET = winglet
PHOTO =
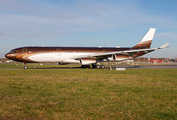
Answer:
(164, 46)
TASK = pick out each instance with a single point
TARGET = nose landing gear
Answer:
(25, 66)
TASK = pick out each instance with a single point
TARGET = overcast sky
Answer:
(87, 23)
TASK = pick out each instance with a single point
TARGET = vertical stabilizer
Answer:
(147, 39)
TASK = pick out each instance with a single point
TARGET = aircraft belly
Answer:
(55, 57)
(47, 57)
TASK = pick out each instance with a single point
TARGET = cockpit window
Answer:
(12, 51)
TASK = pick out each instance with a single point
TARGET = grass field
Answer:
(88, 94)
(36, 65)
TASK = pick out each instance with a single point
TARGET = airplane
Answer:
(85, 56)
(155, 61)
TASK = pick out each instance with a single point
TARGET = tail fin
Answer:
(147, 39)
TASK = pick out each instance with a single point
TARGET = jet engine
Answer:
(87, 61)
(120, 57)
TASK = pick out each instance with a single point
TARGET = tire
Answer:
(25, 67)
(98, 67)
(102, 66)
(93, 66)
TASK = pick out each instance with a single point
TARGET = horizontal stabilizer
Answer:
(164, 46)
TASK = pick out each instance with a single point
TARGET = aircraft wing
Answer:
(126, 52)
(109, 54)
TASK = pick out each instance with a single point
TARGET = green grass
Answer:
(88, 94)
(35, 65)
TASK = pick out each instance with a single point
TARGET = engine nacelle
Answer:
(120, 57)
(63, 63)
(87, 61)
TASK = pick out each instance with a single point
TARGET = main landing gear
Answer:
(98, 66)
(93, 66)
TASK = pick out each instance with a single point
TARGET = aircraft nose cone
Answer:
(7, 55)
(10, 56)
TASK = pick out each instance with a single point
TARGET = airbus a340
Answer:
(85, 56)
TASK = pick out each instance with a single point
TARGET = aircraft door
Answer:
(103, 51)
(58, 50)
(24, 50)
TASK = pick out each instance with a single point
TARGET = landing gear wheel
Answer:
(100, 66)
(25, 67)
(93, 65)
